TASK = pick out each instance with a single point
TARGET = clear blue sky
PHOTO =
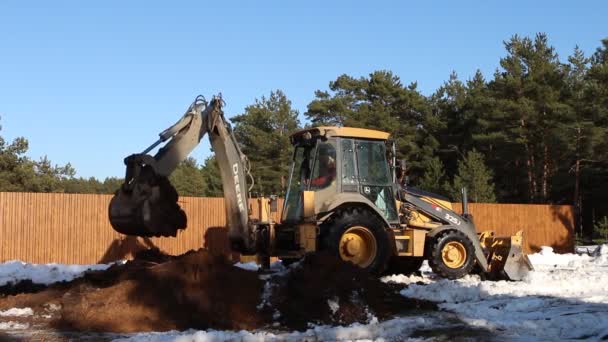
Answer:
(91, 82)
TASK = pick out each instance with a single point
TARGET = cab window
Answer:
(375, 180)
(324, 170)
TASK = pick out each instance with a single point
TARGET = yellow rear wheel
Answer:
(358, 245)
(358, 236)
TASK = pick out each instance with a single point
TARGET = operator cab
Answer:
(333, 166)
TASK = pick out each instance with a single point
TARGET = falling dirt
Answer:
(157, 292)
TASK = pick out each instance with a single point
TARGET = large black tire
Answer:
(404, 265)
(348, 219)
(439, 252)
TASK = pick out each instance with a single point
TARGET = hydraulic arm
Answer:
(146, 204)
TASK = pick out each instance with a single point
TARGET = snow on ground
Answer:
(589, 250)
(17, 312)
(334, 304)
(249, 266)
(15, 271)
(10, 325)
(253, 266)
(566, 297)
(390, 330)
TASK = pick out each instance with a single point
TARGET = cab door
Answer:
(374, 177)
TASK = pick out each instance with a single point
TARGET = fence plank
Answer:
(73, 228)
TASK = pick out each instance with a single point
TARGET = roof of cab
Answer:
(349, 132)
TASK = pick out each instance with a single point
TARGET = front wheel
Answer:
(452, 255)
(359, 237)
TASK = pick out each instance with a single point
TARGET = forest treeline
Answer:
(535, 132)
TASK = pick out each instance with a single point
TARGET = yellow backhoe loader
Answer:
(345, 195)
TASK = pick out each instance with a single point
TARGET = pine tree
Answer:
(263, 132)
(476, 177)
(188, 178)
(433, 179)
(522, 126)
(461, 108)
(212, 178)
(575, 133)
(597, 83)
(594, 174)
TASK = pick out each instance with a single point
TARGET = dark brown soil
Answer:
(23, 286)
(304, 294)
(157, 292)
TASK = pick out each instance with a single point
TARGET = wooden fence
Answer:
(71, 228)
(543, 225)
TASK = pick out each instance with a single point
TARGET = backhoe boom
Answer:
(146, 204)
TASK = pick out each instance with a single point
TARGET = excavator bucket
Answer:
(146, 203)
(506, 259)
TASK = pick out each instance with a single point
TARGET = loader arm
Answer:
(146, 204)
(500, 258)
(451, 220)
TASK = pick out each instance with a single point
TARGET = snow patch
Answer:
(17, 312)
(10, 325)
(265, 296)
(249, 266)
(276, 266)
(566, 297)
(52, 307)
(276, 315)
(15, 271)
(392, 330)
(334, 305)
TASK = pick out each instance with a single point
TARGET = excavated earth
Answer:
(157, 292)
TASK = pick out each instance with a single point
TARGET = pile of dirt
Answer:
(323, 289)
(157, 292)
(196, 290)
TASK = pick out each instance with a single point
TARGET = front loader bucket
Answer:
(506, 259)
(146, 205)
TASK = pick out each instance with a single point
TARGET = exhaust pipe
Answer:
(465, 205)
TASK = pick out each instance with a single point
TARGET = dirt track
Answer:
(156, 292)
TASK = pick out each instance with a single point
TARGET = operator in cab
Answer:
(326, 172)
